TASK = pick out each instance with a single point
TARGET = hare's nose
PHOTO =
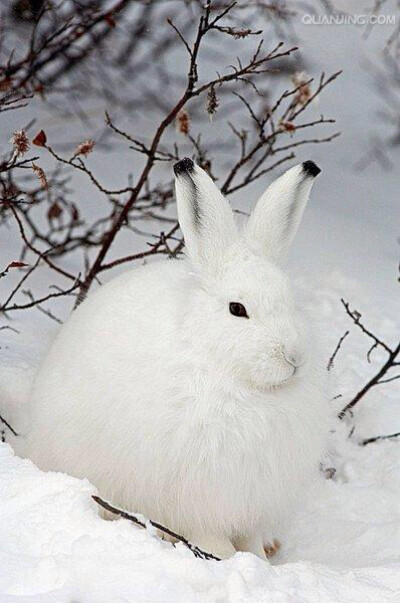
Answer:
(293, 357)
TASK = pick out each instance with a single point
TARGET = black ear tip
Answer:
(184, 166)
(311, 168)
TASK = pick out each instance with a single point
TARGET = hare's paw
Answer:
(251, 544)
(271, 549)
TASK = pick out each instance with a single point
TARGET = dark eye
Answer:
(238, 309)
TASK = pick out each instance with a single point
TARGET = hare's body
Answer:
(168, 416)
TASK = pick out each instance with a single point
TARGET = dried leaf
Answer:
(41, 175)
(212, 102)
(183, 122)
(40, 139)
(287, 126)
(304, 92)
(55, 211)
(16, 264)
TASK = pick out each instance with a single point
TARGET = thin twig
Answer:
(380, 437)
(7, 424)
(197, 552)
(378, 378)
(338, 346)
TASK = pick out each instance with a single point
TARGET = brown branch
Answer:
(44, 311)
(190, 92)
(377, 379)
(157, 248)
(356, 318)
(60, 44)
(36, 302)
(197, 552)
(378, 438)
(322, 84)
(7, 424)
(80, 165)
(42, 256)
(338, 346)
(20, 283)
(34, 62)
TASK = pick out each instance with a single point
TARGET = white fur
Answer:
(280, 209)
(178, 410)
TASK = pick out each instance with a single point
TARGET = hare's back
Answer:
(120, 337)
(104, 380)
(135, 306)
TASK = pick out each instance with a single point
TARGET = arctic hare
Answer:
(187, 390)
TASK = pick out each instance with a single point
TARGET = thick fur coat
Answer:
(176, 404)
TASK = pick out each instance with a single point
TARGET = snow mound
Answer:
(343, 546)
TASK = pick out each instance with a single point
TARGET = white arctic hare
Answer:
(185, 389)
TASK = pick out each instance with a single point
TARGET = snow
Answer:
(54, 546)
(343, 544)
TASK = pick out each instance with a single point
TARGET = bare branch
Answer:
(197, 552)
(339, 345)
(379, 377)
(7, 424)
(380, 437)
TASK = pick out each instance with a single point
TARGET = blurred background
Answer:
(67, 63)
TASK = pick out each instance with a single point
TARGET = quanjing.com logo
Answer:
(347, 19)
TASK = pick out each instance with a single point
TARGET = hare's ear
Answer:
(277, 215)
(205, 216)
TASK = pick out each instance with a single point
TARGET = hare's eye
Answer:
(238, 309)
